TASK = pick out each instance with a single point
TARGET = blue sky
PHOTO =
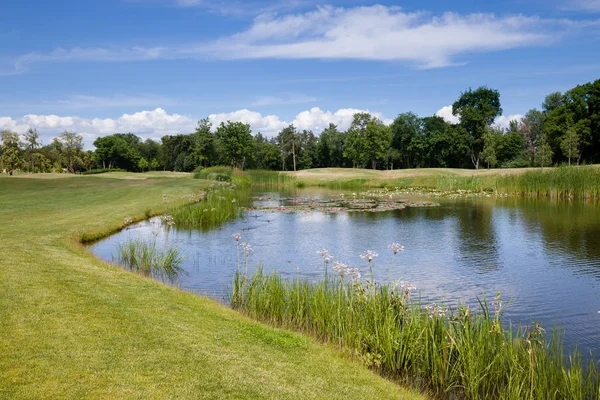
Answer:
(154, 67)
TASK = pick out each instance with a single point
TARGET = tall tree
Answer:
(12, 155)
(32, 141)
(236, 143)
(72, 149)
(477, 110)
(405, 129)
(570, 144)
(532, 128)
(367, 140)
(543, 155)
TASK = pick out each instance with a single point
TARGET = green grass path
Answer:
(74, 327)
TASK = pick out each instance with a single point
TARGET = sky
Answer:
(155, 67)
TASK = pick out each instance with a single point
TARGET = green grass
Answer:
(562, 182)
(74, 327)
(214, 206)
(456, 355)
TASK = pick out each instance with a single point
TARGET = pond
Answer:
(542, 256)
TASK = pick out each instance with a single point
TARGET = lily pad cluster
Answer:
(299, 204)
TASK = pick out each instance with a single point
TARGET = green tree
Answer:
(405, 129)
(532, 128)
(204, 150)
(477, 110)
(143, 164)
(543, 155)
(236, 143)
(154, 164)
(32, 143)
(72, 148)
(367, 140)
(12, 154)
(570, 144)
(488, 154)
(552, 102)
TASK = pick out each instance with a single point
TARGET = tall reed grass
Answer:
(144, 257)
(245, 178)
(452, 354)
(220, 203)
(561, 182)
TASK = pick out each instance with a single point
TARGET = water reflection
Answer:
(543, 256)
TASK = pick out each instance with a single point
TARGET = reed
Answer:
(144, 257)
(217, 173)
(220, 203)
(453, 354)
(559, 183)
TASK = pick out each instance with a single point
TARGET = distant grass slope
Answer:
(74, 327)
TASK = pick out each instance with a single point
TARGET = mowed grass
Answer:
(74, 327)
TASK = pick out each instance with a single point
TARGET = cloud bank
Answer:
(376, 33)
(153, 124)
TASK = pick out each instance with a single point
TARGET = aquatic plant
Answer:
(451, 353)
(144, 257)
(559, 183)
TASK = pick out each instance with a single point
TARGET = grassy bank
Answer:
(461, 354)
(563, 182)
(75, 327)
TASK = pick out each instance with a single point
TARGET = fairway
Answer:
(74, 327)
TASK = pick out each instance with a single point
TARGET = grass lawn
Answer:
(75, 327)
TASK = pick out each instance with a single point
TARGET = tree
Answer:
(488, 154)
(552, 102)
(287, 140)
(236, 143)
(143, 164)
(12, 155)
(477, 111)
(32, 142)
(532, 128)
(367, 140)
(543, 155)
(72, 149)
(204, 150)
(570, 144)
(154, 164)
(121, 151)
(404, 130)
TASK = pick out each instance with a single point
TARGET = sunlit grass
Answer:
(73, 327)
(455, 354)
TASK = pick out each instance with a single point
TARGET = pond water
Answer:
(544, 257)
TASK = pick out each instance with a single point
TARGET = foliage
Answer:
(235, 143)
(477, 110)
(11, 157)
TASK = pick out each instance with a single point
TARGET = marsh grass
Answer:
(217, 173)
(557, 183)
(145, 258)
(221, 202)
(456, 354)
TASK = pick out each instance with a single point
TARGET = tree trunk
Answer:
(294, 152)
(373, 163)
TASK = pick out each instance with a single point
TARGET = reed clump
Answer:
(217, 173)
(221, 202)
(565, 182)
(146, 258)
(453, 354)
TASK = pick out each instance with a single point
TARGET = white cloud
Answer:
(268, 125)
(366, 33)
(147, 124)
(502, 121)
(156, 123)
(380, 33)
(446, 113)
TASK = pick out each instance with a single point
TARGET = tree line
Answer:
(565, 130)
